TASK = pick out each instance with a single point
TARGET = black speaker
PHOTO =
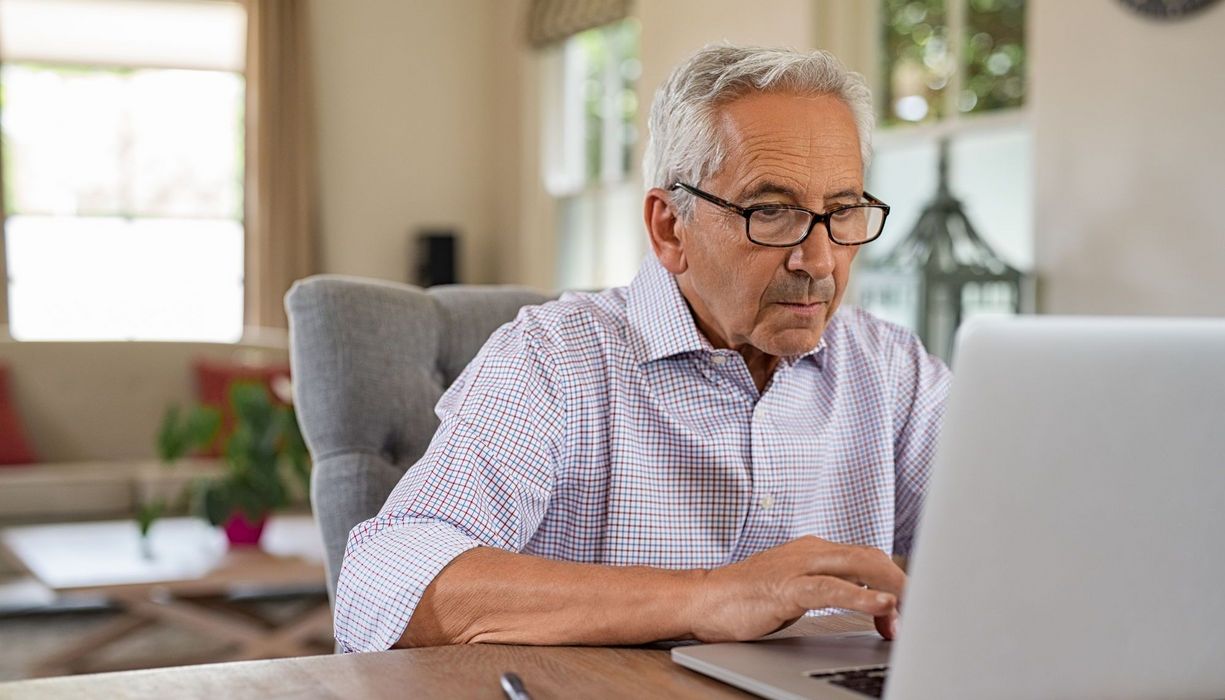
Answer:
(437, 257)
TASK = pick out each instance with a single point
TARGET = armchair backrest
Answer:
(370, 360)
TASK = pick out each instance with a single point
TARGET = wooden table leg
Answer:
(289, 639)
(230, 606)
(213, 623)
(253, 640)
(62, 661)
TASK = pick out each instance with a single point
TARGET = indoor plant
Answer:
(263, 455)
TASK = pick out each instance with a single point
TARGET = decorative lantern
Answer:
(940, 275)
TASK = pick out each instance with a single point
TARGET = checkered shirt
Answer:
(604, 428)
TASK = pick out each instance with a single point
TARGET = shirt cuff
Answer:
(383, 578)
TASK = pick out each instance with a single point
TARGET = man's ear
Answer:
(662, 226)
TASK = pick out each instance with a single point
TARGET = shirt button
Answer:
(718, 359)
(767, 501)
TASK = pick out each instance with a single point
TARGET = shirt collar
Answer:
(818, 353)
(662, 325)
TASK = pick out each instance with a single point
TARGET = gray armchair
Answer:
(370, 359)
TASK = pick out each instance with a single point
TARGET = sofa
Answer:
(91, 411)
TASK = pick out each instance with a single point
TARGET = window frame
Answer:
(956, 124)
(572, 191)
(125, 213)
(862, 48)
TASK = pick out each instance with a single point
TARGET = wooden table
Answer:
(185, 581)
(437, 672)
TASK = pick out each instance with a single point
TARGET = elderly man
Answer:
(709, 453)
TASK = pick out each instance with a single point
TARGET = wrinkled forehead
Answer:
(802, 148)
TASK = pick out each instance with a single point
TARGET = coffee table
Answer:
(188, 580)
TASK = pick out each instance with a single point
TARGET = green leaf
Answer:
(169, 441)
(213, 502)
(203, 425)
(262, 453)
(179, 435)
(252, 406)
(147, 514)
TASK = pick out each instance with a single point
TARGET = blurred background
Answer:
(170, 167)
(1083, 136)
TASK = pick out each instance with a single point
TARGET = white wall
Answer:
(405, 113)
(1129, 131)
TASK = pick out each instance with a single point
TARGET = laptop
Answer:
(1073, 539)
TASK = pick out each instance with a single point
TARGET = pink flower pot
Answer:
(242, 532)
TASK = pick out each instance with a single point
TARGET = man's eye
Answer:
(771, 214)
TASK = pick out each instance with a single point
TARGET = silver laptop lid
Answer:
(1073, 538)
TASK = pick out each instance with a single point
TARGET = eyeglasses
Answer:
(786, 225)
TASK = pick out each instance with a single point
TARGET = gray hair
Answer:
(684, 145)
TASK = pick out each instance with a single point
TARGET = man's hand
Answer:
(774, 588)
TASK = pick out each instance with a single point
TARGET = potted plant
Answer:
(263, 455)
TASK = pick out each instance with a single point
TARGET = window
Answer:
(589, 141)
(954, 69)
(944, 57)
(123, 153)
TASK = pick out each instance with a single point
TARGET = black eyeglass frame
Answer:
(817, 217)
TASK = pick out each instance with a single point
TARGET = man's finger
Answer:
(816, 592)
(887, 625)
(862, 565)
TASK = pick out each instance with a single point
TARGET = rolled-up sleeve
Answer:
(485, 480)
(922, 383)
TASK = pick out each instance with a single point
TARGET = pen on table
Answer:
(512, 685)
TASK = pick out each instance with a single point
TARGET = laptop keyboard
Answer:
(868, 681)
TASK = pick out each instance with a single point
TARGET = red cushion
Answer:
(14, 447)
(213, 380)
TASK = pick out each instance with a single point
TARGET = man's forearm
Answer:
(490, 595)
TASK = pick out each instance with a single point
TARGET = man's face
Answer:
(780, 149)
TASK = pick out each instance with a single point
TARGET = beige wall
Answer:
(673, 29)
(1128, 121)
(429, 113)
(523, 212)
(405, 100)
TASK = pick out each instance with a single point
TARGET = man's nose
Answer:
(815, 255)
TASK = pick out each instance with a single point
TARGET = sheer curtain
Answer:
(281, 215)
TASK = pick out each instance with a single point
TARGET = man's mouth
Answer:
(804, 309)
